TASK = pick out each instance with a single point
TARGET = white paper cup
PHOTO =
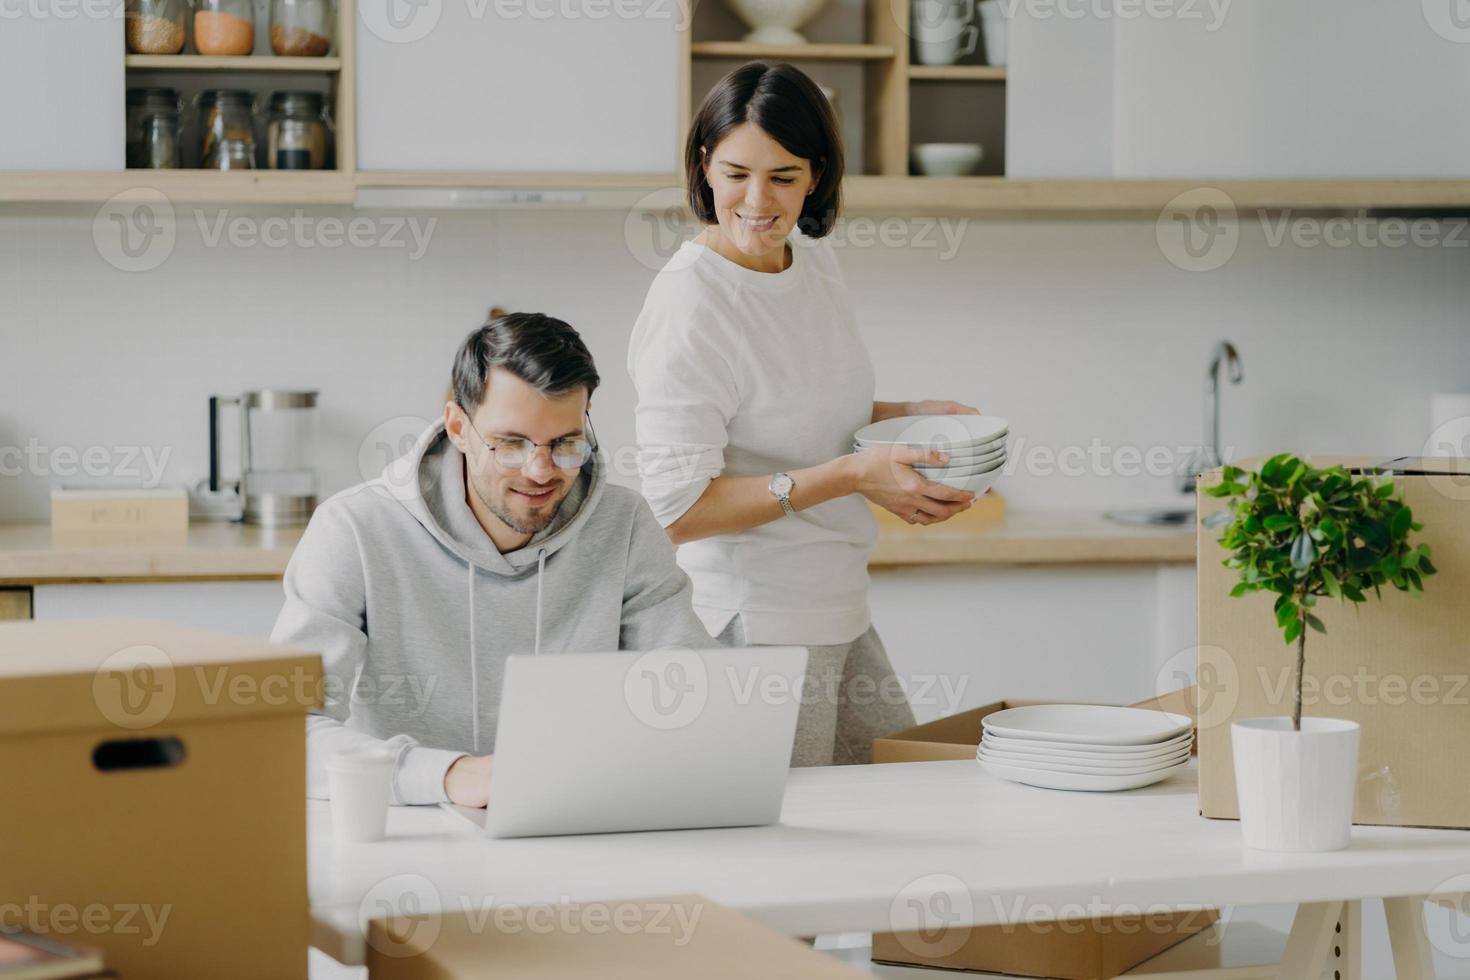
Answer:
(360, 784)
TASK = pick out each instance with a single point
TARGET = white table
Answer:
(857, 846)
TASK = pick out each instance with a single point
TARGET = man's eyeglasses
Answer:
(514, 452)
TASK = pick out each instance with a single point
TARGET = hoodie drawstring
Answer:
(540, 574)
(474, 673)
(474, 665)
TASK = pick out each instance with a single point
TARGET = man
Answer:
(496, 534)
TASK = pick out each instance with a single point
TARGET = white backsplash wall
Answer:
(1077, 331)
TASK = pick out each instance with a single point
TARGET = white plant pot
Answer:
(1296, 789)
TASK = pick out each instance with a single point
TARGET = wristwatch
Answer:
(781, 486)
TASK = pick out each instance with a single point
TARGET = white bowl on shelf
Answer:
(947, 159)
(775, 22)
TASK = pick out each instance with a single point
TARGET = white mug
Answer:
(944, 30)
(993, 22)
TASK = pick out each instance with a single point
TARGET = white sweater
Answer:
(743, 373)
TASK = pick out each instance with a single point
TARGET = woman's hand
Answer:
(941, 408)
(887, 477)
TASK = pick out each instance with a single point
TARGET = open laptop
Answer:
(592, 743)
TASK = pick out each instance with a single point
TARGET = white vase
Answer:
(1296, 789)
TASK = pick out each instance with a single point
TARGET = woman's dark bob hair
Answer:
(792, 110)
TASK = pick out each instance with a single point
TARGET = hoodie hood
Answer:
(429, 482)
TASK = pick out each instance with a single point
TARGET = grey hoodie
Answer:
(414, 610)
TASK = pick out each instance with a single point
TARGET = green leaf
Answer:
(1330, 583)
(1315, 623)
(1286, 614)
(1293, 630)
(1354, 593)
(1303, 552)
(1279, 522)
(1241, 590)
(1400, 524)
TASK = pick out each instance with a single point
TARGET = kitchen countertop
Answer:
(30, 554)
(1030, 537)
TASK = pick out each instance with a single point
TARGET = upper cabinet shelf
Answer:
(199, 62)
(957, 73)
(740, 50)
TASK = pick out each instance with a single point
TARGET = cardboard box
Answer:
(1076, 950)
(681, 937)
(164, 510)
(155, 795)
(1398, 666)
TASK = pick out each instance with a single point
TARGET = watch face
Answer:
(781, 484)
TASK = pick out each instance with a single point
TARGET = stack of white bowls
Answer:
(1084, 746)
(976, 445)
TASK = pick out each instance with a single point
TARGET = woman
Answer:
(751, 380)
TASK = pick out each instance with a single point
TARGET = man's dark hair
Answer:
(792, 110)
(544, 352)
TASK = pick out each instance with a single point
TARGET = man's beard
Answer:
(510, 520)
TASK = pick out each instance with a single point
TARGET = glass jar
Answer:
(224, 27)
(142, 102)
(155, 26)
(302, 28)
(297, 132)
(161, 146)
(226, 129)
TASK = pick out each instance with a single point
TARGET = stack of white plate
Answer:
(1084, 746)
(976, 445)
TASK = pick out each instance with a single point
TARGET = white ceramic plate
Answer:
(966, 462)
(952, 432)
(1087, 724)
(993, 451)
(976, 483)
(1078, 781)
(1088, 753)
(1101, 768)
(964, 453)
(935, 472)
(967, 448)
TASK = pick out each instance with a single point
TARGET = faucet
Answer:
(1208, 455)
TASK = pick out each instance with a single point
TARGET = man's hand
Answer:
(468, 780)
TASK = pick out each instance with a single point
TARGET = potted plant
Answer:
(1306, 534)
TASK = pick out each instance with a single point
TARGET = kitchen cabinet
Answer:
(63, 78)
(241, 608)
(507, 86)
(1303, 92)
